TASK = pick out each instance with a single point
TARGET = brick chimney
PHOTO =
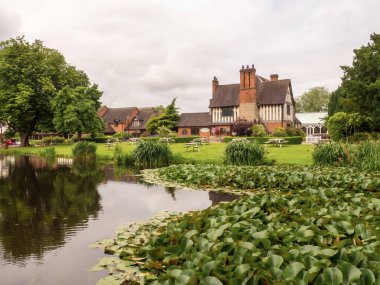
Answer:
(215, 84)
(247, 94)
(273, 77)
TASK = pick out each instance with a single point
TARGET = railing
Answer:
(263, 123)
(313, 139)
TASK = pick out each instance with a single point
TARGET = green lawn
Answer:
(213, 153)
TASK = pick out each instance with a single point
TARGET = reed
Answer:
(333, 154)
(152, 154)
(84, 151)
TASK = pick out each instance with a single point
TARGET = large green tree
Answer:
(359, 91)
(168, 118)
(30, 76)
(314, 100)
(75, 110)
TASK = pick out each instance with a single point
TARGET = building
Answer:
(194, 124)
(269, 102)
(138, 124)
(313, 123)
(128, 119)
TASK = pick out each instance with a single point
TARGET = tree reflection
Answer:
(40, 206)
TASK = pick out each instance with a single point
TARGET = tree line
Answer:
(40, 91)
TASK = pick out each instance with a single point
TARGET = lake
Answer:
(50, 212)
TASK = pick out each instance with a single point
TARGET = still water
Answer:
(51, 212)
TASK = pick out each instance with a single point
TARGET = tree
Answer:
(314, 100)
(359, 91)
(168, 118)
(75, 110)
(30, 76)
(342, 125)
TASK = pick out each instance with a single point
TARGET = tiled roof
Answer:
(268, 92)
(108, 129)
(226, 95)
(273, 92)
(143, 115)
(194, 120)
(121, 114)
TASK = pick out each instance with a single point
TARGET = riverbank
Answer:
(212, 153)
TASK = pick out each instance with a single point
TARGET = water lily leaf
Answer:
(261, 235)
(174, 272)
(367, 277)
(210, 280)
(273, 261)
(292, 270)
(206, 269)
(351, 274)
(240, 270)
(347, 227)
(332, 276)
(327, 252)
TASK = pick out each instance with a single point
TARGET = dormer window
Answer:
(136, 123)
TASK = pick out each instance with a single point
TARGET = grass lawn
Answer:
(213, 153)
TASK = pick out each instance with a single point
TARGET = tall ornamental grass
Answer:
(152, 154)
(364, 156)
(244, 153)
(334, 154)
(84, 151)
(367, 156)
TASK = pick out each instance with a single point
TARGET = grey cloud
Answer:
(9, 24)
(144, 53)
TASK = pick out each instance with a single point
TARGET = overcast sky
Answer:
(145, 53)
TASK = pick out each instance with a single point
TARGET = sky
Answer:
(145, 53)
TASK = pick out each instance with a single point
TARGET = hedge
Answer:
(94, 140)
(261, 140)
(176, 139)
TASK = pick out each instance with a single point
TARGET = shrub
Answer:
(242, 127)
(52, 140)
(261, 140)
(84, 151)
(244, 153)
(333, 154)
(358, 137)
(165, 132)
(94, 140)
(300, 133)
(151, 154)
(185, 139)
(118, 155)
(258, 131)
(279, 132)
(121, 135)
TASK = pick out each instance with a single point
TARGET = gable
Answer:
(274, 92)
(225, 96)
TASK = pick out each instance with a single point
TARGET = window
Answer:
(288, 109)
(195, 131)
(184, 131)
(227, 111)
(136, 123)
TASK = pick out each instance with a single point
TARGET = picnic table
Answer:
(166, 140)
(195, 146)
(133, 140)
(277, 142)
(202, 141)
(111, 143)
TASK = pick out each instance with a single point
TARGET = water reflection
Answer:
(40, 205)
(51, 211)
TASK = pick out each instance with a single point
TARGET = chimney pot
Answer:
(242, 67)
(273, 77)
(247, 66)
